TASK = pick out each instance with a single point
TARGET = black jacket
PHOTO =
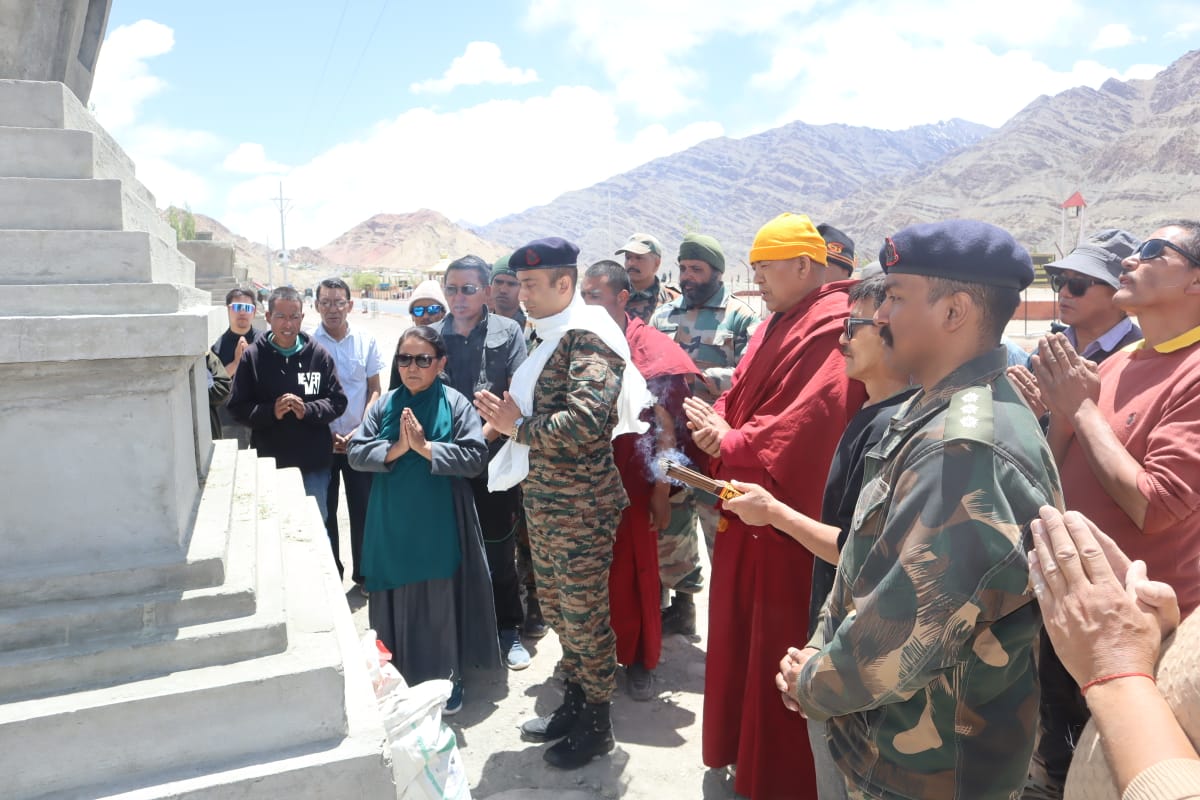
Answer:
(265, 375)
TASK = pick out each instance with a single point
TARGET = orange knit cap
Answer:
(788, 236)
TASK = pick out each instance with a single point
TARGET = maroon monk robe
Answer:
(788, 405)
(633, 585)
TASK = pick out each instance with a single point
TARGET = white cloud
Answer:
(1183, 30)
(644, 46)
(250, 158)
(426, 159)
(923, 69)
(123, 80)
(480, 63)
(1116, 34)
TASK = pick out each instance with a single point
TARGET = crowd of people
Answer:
(901, 604)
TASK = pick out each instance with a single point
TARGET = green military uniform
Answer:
(715, 335)
(926, 673)
(573, 503)
(642, 304)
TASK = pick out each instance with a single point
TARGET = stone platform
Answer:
(171, 623)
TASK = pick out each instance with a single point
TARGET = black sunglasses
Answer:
(1153, 248)
(854, 322)
(1076, 286)
(469, 289)
(424, 361)
(420, 311)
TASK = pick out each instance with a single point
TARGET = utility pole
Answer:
(285, 205)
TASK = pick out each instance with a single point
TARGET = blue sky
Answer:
(479, 110)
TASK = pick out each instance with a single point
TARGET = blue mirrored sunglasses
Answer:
(242, 308)
(420, 311)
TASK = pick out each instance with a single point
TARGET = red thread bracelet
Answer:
(1105, 679)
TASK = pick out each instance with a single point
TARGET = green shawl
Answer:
(412, 529)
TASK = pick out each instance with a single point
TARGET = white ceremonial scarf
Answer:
(511, 464)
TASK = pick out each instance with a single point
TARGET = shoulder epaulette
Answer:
(970, 415)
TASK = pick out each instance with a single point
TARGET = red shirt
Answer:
(1151, 400)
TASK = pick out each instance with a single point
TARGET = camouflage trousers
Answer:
(572, 551)
(679, 545)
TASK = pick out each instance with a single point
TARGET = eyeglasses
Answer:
(292, 317)
(853, 322)
(331, 304)
(1153, 248)
(1076, 286)
(242, 308)
(468, 290)
(424, 361)
(420, 311)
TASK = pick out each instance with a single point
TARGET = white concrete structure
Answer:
(216, 266)
(171, 623)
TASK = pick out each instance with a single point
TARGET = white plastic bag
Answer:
(426, 763)
(384, 676)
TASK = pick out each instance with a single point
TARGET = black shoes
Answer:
(534, 626)
(590, 737)
(680, 616)
(560, 722)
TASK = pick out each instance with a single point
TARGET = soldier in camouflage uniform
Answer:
(643, 255)
(573, 494)
(922, 664)
(713, 327)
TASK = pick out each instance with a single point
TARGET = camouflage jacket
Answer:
(643, 304)
(925, 671)
(714, 334)
(570, 432)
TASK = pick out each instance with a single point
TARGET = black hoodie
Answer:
(264, 375)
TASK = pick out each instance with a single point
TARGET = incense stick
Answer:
(690, 477)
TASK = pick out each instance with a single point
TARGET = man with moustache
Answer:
(713, 327)
(866, 362)
(643, 255)
(922, 664)
(1126, 437)
(778, 426)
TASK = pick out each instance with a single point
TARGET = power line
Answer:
(358, 61)
(325, 67)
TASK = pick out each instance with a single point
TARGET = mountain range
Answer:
(1131, 148)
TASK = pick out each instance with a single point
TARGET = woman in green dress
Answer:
(429, 592)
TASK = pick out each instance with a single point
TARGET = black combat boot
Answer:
(559, 722)
(592, 736)
(535, 624)
(680, 616)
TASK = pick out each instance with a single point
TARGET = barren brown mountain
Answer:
(1131, 148)
(406, 241)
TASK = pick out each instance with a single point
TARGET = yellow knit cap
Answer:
(788, 236)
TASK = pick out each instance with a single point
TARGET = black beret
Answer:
(839, 247)
(960, 250)
(544, 254)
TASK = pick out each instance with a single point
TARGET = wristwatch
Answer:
(516, 427)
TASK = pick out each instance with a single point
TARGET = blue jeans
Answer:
(316, 485)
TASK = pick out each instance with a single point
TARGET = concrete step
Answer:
(349, 768)
(202, 566)
(159, 650)
(215, 728)
(90, 257)
(46, 153)
(62, 300)
(115, 336)
(77, 204)
(147, 616)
